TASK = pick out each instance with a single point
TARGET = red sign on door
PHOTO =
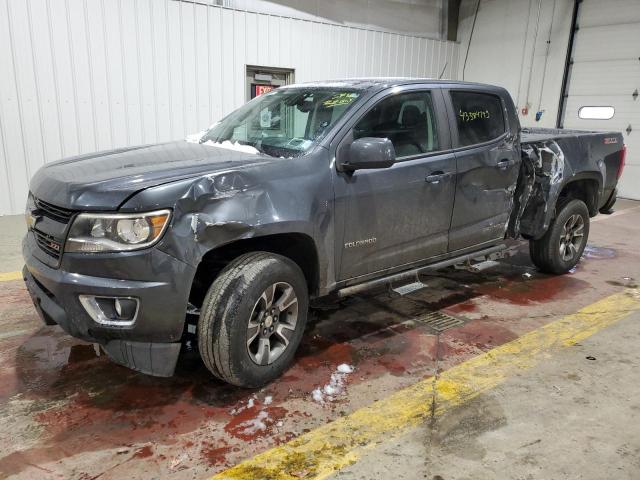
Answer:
(261, 89)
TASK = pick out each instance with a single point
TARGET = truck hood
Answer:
(104, 180)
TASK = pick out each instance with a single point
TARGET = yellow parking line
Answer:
(9, 276)
(323, 451)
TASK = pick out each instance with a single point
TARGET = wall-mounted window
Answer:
(596, 113)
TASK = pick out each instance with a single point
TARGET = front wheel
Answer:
(253, 318)
(561, 247)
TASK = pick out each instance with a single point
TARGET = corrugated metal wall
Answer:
(86, 75)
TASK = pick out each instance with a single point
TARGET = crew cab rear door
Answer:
(487, 149)
(392, 217)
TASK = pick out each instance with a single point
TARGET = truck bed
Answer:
(552, 159)
(532, 135)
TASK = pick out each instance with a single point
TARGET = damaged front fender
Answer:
(220, 208)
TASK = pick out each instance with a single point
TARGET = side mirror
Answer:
(369, 152)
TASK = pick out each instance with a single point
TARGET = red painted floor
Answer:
(67, 412)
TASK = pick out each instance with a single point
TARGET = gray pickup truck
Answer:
(311, 190)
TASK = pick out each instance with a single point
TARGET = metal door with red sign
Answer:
(261, 80)
(259, 89)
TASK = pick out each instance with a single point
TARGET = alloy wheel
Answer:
(272, 323)
(571, 237)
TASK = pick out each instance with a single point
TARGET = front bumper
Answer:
(160, 282)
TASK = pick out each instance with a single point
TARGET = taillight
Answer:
(623, 158)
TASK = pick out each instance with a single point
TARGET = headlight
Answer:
(31, 206)
(113, 232)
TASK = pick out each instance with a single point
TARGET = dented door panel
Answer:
(487, 173)
(484, 193)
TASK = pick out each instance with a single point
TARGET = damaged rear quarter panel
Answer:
(551, 160)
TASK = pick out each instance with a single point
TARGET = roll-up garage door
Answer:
(606, 72)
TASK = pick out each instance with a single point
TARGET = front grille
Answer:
(59, 214)
(49, 244)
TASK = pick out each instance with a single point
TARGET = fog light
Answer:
(112, 311)
(126, 308)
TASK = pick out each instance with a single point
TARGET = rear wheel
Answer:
(253, 318)
(561, 247)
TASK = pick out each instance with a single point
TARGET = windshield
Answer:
(283, 123)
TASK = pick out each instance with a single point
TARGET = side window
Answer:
(479, 117)
(407, 119)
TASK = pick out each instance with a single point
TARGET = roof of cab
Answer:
(376, 83)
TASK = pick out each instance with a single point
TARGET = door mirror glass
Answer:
(369, 152)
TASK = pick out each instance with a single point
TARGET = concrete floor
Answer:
(12, 229)
(67, 412)
(567, 418)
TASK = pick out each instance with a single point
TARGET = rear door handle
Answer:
(435, 177)
(505, 163)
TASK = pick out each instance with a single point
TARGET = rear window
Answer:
(479, 116)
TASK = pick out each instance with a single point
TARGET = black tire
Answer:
(227, 310)
(546, 252)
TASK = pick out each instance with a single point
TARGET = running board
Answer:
(488, 254)
(408, 288)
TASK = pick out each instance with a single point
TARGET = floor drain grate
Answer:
(439, 322)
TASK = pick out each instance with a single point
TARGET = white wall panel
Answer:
(605, 72)
(80, 76)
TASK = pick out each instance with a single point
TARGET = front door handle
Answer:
(435, 177)
(505, 163)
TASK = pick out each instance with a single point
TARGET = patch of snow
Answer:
(344, 368)
(280, 424)
(238, 147)
(255, 425)
(268, 400)
(195, 137)
(250, 404)
(335, 386)
(317, 396)
(527, 275)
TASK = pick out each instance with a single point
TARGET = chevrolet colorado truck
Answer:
(311, 190)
